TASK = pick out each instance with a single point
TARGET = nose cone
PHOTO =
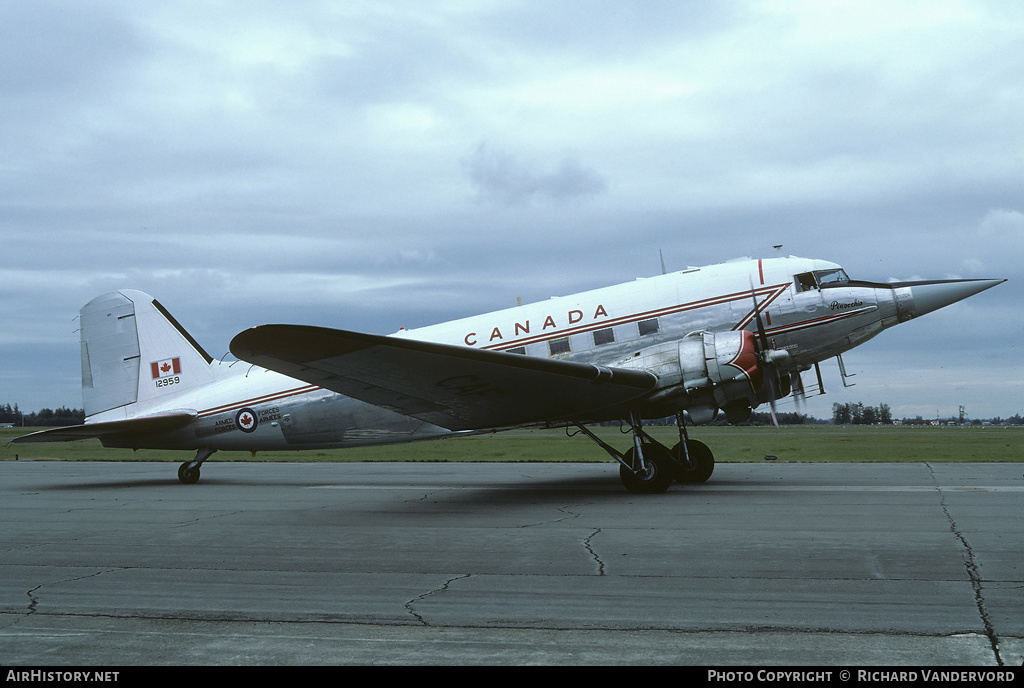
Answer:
(914, 299)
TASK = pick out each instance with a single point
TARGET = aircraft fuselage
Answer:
(806, 310)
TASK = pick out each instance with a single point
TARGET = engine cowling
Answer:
(702, 373)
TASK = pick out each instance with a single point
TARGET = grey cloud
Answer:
(503, 177)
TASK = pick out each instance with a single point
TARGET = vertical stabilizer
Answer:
(135, 356)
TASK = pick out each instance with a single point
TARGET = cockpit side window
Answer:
(805, 281)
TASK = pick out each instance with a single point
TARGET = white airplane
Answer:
(723, 338)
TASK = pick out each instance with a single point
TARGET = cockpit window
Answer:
(819, 278)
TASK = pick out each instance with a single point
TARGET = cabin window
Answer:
(605, 336)
(559, 346)
(648, 326)
(517, 350)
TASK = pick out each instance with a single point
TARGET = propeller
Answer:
(768, 372)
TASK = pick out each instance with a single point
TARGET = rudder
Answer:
(135, 352)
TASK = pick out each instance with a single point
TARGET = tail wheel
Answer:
(657, 474)
(189, 476)
(700, 456)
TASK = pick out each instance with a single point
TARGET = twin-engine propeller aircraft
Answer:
(691, 344)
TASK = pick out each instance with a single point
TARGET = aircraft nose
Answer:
(914, 299)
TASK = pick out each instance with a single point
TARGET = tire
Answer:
(188, 476)
(658, 474)
(700, 455)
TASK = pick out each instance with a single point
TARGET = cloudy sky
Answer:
(373, 165)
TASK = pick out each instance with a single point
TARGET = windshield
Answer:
(820, 278)
(829, 276)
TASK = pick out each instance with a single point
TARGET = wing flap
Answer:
(133, 426)
(451, 386)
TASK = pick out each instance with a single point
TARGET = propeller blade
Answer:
(796, 383)
(768, 370)
(761, 335)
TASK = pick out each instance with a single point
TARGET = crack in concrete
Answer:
(587, 544)
(972, 572)
(202, 518)
(33, 601)
(569, 515)
(426, 496)
(420, 598)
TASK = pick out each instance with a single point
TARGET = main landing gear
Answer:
(188, 472)
(649, 467)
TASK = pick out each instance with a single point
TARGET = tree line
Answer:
(859, 413)
(45, 417)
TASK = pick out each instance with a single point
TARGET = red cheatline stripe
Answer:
(773, 291)
(816, 322)
(258, 400)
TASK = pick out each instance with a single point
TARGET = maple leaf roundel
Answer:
(245, 420)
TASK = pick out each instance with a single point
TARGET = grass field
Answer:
(808, 443)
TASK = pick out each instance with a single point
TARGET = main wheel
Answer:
(189, 476)
(657, 474)
(702, 458)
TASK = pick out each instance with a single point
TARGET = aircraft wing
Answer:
(455, 387)
(133, 426)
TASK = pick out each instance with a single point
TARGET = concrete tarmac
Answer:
(449, 563)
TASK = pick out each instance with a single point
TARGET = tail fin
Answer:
(135, 352)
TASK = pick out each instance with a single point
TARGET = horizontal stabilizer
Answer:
(454, 387)
(134, 426)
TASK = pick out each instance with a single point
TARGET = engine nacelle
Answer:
(702, 373)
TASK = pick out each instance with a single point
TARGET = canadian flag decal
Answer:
(169, 366)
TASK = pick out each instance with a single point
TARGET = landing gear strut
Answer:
(188, 472)
(649, 467)
(694, 461)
